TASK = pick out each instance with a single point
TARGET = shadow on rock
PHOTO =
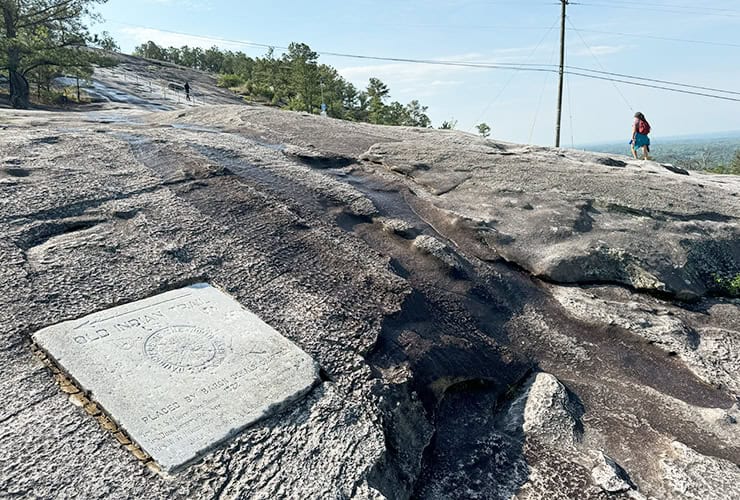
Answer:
(468, 456)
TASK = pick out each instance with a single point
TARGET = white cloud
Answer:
(139, 35)
(188, 4)
(411, 79)
(401, 72)
(445, 83)
(600, 50)
(425, 80)
(418, 79)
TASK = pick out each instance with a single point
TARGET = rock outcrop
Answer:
(491, 320)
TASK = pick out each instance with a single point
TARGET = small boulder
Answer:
(544, 411)
(608, 475)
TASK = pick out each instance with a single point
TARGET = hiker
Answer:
(187, 91)
(640, 139)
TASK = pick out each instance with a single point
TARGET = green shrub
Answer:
(730, 285)
(229, 81)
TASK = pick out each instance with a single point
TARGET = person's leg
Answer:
(634, 151)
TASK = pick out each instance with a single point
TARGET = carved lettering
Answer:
(152, 416)
(181, 371)
(89, 337)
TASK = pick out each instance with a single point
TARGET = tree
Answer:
(303, 82)
(483, 129)
(732, 168)
(377, 92)
(448, 125)
(42, 33)
(149, 50)
(106, 42)
(173, 55)
(395, 114)
(297, 81)
(360, 112)
(417, 115)
(704, 160)
(213, 60)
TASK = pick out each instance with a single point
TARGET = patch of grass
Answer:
(730, 285)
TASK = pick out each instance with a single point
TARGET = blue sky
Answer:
(518, 105)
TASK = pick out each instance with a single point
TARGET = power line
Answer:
(599, 63)
(439, 62)
(550, 68)
(673, 6)
(482, 27)
(665, 38)
(542, 93)
(699, 87)
(644, 7)
(570, 113)
(637, 84)
(513, 75)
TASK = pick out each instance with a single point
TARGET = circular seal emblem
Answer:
(185, 348)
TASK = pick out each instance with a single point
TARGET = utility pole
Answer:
(562, 71)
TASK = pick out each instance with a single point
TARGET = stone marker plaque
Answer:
(182, 371)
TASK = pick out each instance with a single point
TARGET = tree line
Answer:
(715, 158)
(732, 167)
(295, 80)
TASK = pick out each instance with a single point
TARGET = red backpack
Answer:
(643, 127)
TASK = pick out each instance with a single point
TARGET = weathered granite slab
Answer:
(181, 371)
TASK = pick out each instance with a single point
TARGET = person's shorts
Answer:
(640, 141)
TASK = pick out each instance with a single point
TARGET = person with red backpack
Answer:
(640, 139)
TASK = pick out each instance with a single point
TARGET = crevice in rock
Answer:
(651, 292)
(17, 172)
(664, 215)
(465, 432)
(79, 208)
(348, 220)
(611, 162)
(407, 433)
(324, 376)
(44, 232)
(51, 139)
(218, 494)
(322, 161)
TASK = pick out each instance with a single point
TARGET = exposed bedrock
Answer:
(408, 264)
(565, 216)
(572, 217)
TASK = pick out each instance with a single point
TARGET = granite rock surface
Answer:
(490, 320)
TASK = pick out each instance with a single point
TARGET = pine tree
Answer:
(37, 34)
(377, 92)
(483, 129)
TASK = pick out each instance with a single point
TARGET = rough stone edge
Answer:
(80, 399)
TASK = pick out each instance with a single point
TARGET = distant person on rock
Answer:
(640, 139)
(187, 91)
